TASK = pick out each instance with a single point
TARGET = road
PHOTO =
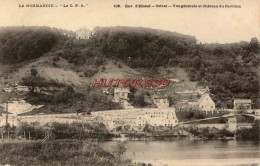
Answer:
(217, 117)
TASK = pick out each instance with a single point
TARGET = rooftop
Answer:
(120, 90)
(242, 101)
(203, 97)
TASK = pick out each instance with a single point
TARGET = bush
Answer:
(81, 131)
(56, 59)
(225, 133)
(119, 65)
(222, 120)
(34, 72)
(200, 116)
(90, 72)
(54, 64)
(249, 134)
(138, 101)
(35, 131)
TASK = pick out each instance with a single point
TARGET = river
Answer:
(191, 152)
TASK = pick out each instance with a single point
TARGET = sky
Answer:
(208, 25)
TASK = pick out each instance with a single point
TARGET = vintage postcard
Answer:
(129, 82)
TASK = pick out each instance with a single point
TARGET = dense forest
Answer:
(230, 70)
(18, 44)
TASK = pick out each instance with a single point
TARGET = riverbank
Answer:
(196, 133)
(58, 153)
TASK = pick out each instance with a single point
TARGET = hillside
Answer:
(18, 44)
(230, 70)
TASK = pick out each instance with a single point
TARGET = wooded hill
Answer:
(230, 70)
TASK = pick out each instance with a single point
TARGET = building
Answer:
(21, 88)
(140, 117)
(44, 119)
(10, 89)
(9, 118)
(69, 34)
(111, 118)
(192, 103)
(257, 114)
(121, 94)
(232, 124)
(108, 122)
(161, 102)
(157, 117)
(206, 104)
(242, 104)
(83, 33)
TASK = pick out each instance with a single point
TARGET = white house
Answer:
(157, 117)
(257, 114)
(83, 33)
(161, 102)
(242, 104)
(121, 93)
(205, 103)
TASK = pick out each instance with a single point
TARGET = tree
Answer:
(192, 74)
(146, 128)
(173, 99)
(254, 45)
(139, 100)
(196, 62)
(34, 72)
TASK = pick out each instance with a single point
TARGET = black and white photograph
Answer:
(130, 83)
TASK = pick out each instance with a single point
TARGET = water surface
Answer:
(191, 152)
